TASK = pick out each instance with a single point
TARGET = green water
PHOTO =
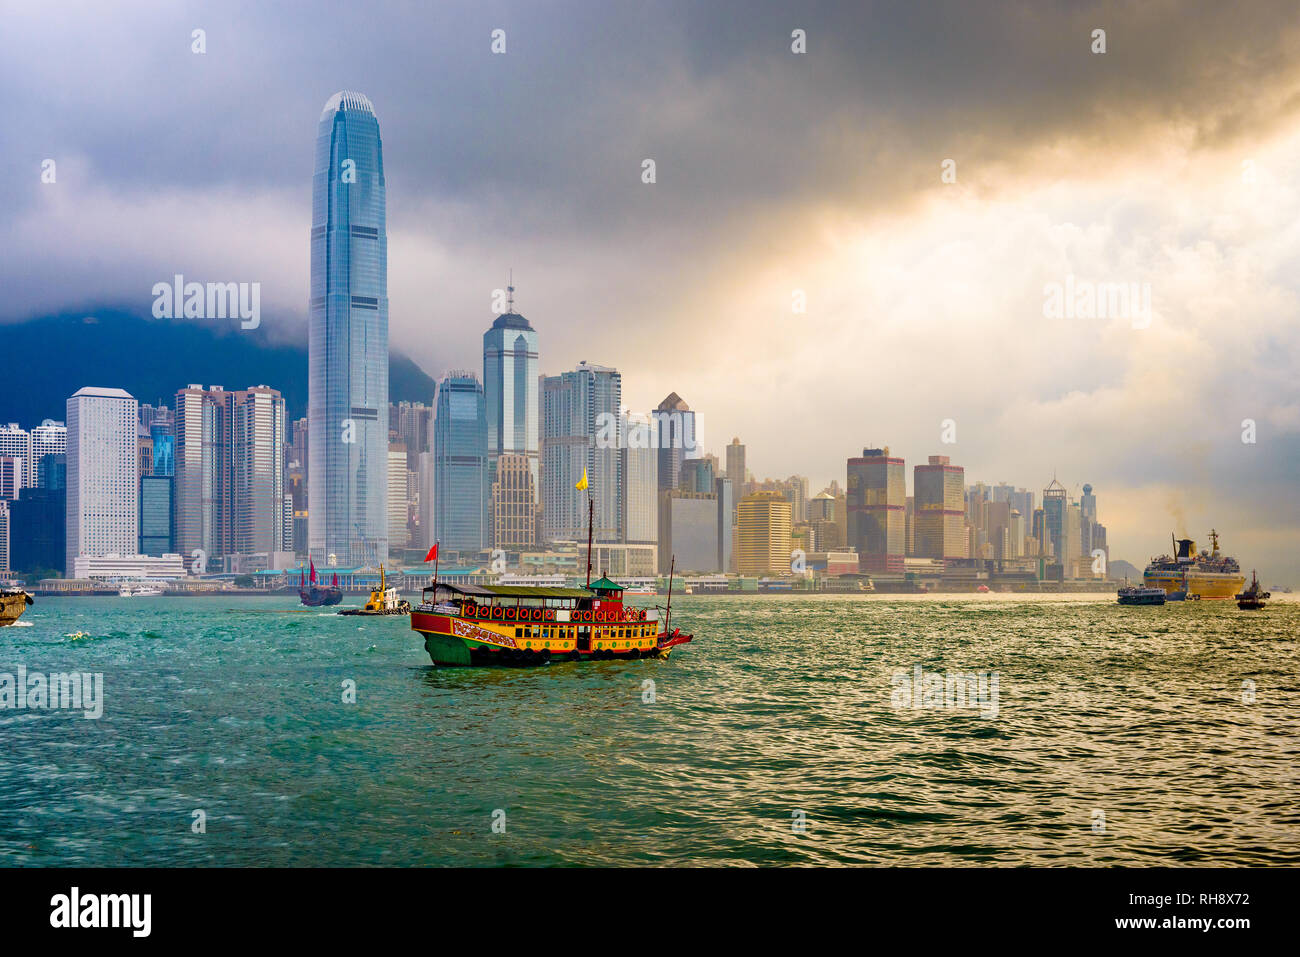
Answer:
(779, 712)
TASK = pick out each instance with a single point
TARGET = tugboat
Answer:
(1138, 595)
(1253, 598)
(13, 602)
(522, 625)
(383, 601)
(314, 595)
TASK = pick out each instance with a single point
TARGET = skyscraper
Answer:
(939, 526)
(1056, 526)
(102, 506)
(676, 434)
(347, 388)
(48, 438)
(460, 464)
(399, 492)
(639, 464)
(16, 444)
(876, 502)
(229, 462)
(514, 502)
(257, 459)
(510, 388)
(736, 466)
(763, 525)
(581, 429)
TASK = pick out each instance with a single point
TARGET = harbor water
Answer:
(825, 730)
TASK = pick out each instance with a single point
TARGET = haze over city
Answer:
(1160, 162)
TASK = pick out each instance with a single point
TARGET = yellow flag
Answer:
(582, 482)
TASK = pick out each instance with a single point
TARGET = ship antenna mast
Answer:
(668, 612)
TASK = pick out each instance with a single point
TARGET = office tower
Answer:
(876, 499)
(639, 464)
(723, 520)
(822, 516)
(413, 424)
(203, 490)
(258, 462)
(4, 538)
(579, 407)
(688, 531)
(38, 531)
(156, 416)
(460, 461)
(735, 463)
(156, 516)
(48, 438)
(164, 450)
(763, 527)
(15, 443)
(796, 492)
(677, 439)
(399, 511)
(347, 389)
(144, 451)
(52, 471)
(427, 477)
(1056, 525)
(298, 452)
(11, 476)
(939, 527)
(1016, 534)
(229, 470)
(102, 508)
(696, 475)
(510, 388)
(514, 503)
(997, 515)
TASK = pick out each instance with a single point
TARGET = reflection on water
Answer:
(1121, 735)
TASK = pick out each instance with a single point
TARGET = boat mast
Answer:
(590, 511)
(668, 612)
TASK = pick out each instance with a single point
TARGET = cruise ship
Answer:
(1207, 575)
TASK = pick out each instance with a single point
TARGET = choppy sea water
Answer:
(1138, 736)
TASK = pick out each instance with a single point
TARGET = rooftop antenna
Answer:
(510, 302)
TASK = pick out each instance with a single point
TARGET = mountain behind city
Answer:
(152, 358)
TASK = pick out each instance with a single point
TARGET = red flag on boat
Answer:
(433, 553)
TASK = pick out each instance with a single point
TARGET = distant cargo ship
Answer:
(1208, 575)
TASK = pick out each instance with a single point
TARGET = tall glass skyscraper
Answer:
(510, 390)
(460, 464)
(347, 496)
(575, 409)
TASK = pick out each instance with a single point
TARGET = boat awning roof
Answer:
(515, 591)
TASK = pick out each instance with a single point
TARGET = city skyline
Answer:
(944, 280)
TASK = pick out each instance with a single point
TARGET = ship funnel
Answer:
(1186, 548)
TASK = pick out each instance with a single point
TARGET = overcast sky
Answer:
(1169, 162)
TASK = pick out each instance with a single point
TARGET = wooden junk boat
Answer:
(314, 595)
(13, 602)
(530, 625)
(523, 625)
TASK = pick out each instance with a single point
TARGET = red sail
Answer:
(313, 573)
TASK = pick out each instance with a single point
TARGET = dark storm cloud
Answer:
(556, 129)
